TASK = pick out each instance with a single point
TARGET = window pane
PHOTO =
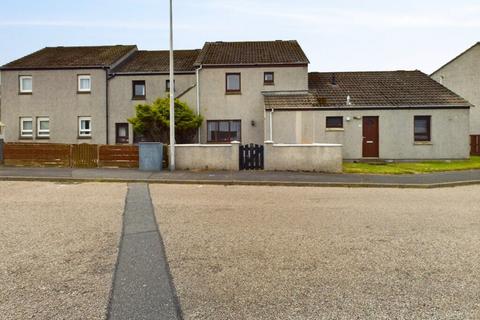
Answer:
(27, 125)
(86, 124)
(233, 82)
(85, 84)
(27, 84)
(334, 122)
(139, 90)
(235, 130)
(212, 128)
(422, 128)
(122, 131)
(223, 133)
(44, 125)
(268, 77)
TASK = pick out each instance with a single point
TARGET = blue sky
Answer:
(337, 35)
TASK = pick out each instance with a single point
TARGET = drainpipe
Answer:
(106, 105)
(271, 125)
(198, 97)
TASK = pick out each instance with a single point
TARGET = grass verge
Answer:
(412, 167)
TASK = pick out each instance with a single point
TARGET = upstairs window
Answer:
(167, 85)
(139, 90)
(422, 128)
(26, 127)
(26, 84)
(334, 122)
(84, 127)
(268, 78)
(43, 127)
(223, 130)
(84, 83)
(233, 82)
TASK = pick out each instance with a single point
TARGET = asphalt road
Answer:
(58, 247)
(322, 253)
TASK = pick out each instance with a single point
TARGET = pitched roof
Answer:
(158, 61)
(71, 57)
(252, 53)
(368, 89)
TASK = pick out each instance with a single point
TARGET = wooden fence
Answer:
(70, 155)
(475, 145)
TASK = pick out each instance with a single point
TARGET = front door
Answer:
(121, 133)
(370, 137)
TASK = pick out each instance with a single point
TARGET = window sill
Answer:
(84, 138)
(269, 83)
(42, 138)
(423, 143)
(233, 92)
(25, 93)
(84, 92)
(334, 129)
(139, 98)
(25, 138)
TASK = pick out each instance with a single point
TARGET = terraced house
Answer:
(246, 91)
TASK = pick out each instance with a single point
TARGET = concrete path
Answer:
(441, 179)
(142, 286)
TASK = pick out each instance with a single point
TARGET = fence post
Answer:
(1, 150)
(235, 158)
(266, 156)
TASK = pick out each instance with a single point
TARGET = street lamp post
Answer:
(172, 95)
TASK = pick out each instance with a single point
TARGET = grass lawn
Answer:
(412, 167)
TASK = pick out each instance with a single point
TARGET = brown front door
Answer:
(121, 133)
(370, 137)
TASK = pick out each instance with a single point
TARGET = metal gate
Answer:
(84, 156)
(251, 157)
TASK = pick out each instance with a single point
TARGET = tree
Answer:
(152, 121)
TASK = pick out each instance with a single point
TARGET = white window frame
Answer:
(43, 133)
(23, 132)
(84, 133)
(84, 77)
(22, 89)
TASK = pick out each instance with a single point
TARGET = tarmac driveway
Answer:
(58, 247)
(322, 253)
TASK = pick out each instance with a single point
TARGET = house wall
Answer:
(207, 156)
(462, 76)
(248, 106)
(122, 106)
(303, 157)
(55, 96)
(450, 136)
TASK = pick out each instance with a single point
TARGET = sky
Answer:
(336, 35)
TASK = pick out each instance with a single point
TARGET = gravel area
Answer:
(58, 248)
(322, 253)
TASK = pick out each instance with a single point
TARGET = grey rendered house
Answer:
(462, 76)
(246, 91)
(400, 115)
(59, 94)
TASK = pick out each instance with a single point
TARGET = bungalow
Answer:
(246, 91)
(401, 115)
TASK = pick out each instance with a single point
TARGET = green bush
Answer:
(152, 121)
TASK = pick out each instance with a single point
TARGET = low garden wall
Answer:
(303, 157)
(207, 156)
